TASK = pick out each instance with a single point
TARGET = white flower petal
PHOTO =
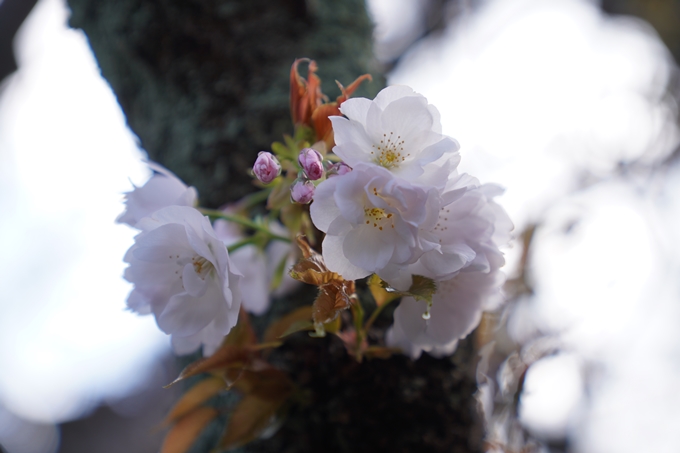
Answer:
(161, 190)
(187, 315)
(367, 248)
(355, 109)
(334, 258)
(393, 93)
(323, 209)
(405, 119)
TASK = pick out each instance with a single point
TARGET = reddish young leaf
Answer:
(197, 395)
(305, 94)
(322, 123)
(181, 436)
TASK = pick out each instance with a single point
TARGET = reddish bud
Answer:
(302, 191)
(311, 162)
(267, 167)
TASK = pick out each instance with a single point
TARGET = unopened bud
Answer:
(267, 167)
(311, 162)
(302, 191)
(339, 169)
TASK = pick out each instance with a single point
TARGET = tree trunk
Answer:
(204, 84)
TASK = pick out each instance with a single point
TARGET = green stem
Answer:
(215, 214)
(237, 245)
(375, 314)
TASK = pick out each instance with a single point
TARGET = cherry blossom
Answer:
(161, 190)
(398, 130)
(470, 231)
(183, 275)
(371, 219)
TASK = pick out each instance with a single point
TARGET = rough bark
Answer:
(204, 84)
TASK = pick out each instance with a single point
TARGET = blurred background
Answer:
(571, 105)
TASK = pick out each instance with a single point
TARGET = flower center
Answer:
(390, 152)
(202, 266)
(377, 216)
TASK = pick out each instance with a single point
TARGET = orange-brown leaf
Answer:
(268, 383)
(332, 299)
(347, 92)
(302, 272)
(242, 334)
(308, 251)
(265, 391)
(227, 355)
(305, 94)
(279, 327)
(180, 438)
(197, 395)
(251, 416)
(322, 123)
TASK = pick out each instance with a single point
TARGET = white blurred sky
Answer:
(65, 159)
(539, 94)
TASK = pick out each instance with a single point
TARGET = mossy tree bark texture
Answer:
(205, 86)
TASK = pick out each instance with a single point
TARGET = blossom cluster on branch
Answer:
(365, 188)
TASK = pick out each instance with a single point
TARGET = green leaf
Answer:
(280, 149)
(380, 295)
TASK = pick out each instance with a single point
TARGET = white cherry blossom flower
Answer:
(456, 310)
(398, 130)
(183, 275)
(470, 231)
(468, 220)
(371, 219)
(161, 190)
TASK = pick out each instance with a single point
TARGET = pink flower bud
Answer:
(267, 167)
(339, 169)
(311, 162)
(302, 191)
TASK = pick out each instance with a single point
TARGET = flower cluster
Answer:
(379, 180)
(404, 210)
